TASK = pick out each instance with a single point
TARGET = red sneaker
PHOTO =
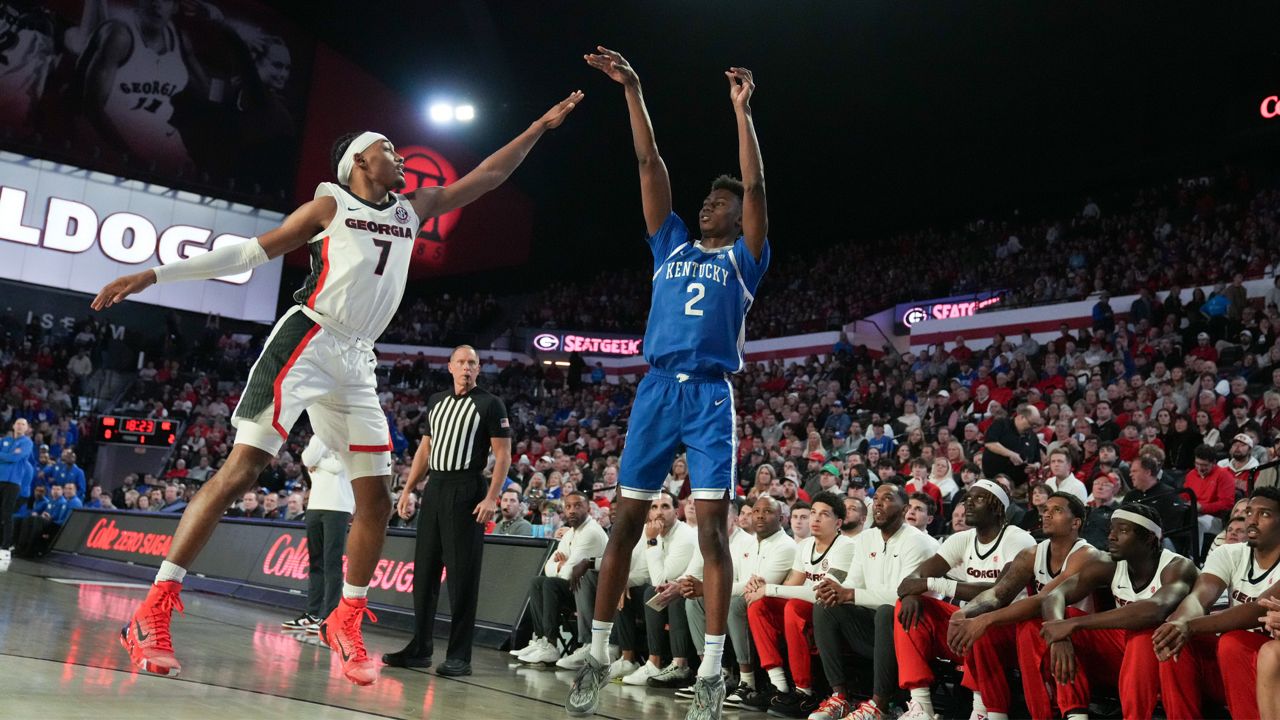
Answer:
(146, 637)
(341, 632)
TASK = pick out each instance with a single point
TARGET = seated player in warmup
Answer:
(743, 545)
(578, 551)
(1060, 555)
(979, 555)
(1147, 582)
(858, 612)
(1217, 653)
(319, 359)
(669, 545)
(784, 612)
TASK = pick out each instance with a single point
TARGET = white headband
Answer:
(994, 489)
(348, 161)
(1138, 520)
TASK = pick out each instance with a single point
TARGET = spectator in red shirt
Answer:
(919, 482)
(1129, 443)
(1215, 489)
(960, 352)
(1204, 349)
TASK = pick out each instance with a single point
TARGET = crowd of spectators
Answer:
(1147, 374)
(1191, 231)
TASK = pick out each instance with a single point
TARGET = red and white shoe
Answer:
(146, 638)
(341, 632)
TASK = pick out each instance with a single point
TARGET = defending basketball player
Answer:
(319, 358)
(702, 290)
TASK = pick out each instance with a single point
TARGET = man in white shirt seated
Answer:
(1061, 478)
(669, 545)
(768, 555)
(858, 612)
(778, 611)
(552, 591)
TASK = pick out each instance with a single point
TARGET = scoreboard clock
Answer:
(137, 431)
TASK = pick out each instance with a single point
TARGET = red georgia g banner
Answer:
(424, 167)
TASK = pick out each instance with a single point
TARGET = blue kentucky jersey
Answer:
(698, 313)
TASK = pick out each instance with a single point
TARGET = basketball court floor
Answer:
(60, 657)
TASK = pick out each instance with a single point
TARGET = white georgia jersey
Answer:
(140, 101)
(971, 561)
(815, 565)
(360, 263)
(1045, 575)
(1246, 580)
(1122, 585)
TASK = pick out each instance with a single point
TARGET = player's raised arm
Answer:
(495, 169)
(655, 184)
(755, 212)
(301, 225)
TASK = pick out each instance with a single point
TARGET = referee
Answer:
(463, 425)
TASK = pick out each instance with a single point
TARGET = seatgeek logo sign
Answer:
(589, 344)
(68, 228)
(912, 314)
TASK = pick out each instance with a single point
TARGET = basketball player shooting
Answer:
(319, 358)
(702, 290)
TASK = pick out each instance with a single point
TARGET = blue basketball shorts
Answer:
(674, 408)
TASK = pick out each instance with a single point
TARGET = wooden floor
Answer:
(60, 658)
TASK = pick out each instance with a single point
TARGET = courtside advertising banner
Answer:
(275, 555)
(65, 227)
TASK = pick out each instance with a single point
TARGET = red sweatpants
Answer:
(924, 642)
(1238, 658)
(1098, 659)
(987, 666)
(773, 618)
(1185, 681)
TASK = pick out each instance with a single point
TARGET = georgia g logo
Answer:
(546, 342)
(915, 315)
(424, 167)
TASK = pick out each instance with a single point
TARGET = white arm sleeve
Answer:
(226, 260)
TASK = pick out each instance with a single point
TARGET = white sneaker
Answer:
(575, 659)
(545, 654)
(621, 668)
(5, 556)
(865, 711)
(642, 674)
(517, 652)
(537, 646)
(915, 712)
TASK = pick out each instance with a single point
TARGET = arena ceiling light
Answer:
(446, 113)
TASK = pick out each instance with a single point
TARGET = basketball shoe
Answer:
(146, 638)
(341, 632)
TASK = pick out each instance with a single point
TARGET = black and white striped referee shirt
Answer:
(460, 428)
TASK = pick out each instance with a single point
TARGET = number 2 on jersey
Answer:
(385, 247)
(699, 291)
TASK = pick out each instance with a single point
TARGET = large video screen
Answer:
(65, 227)
(199, 94)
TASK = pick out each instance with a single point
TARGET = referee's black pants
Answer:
(449, 538)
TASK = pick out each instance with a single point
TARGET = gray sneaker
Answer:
(708, 699)
(584, 695)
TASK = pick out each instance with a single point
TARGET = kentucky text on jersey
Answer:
(380, 228)
(693, 269)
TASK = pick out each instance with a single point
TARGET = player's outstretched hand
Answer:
(122, 287)
(558, 112)
(611, 63)
(741, 86)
